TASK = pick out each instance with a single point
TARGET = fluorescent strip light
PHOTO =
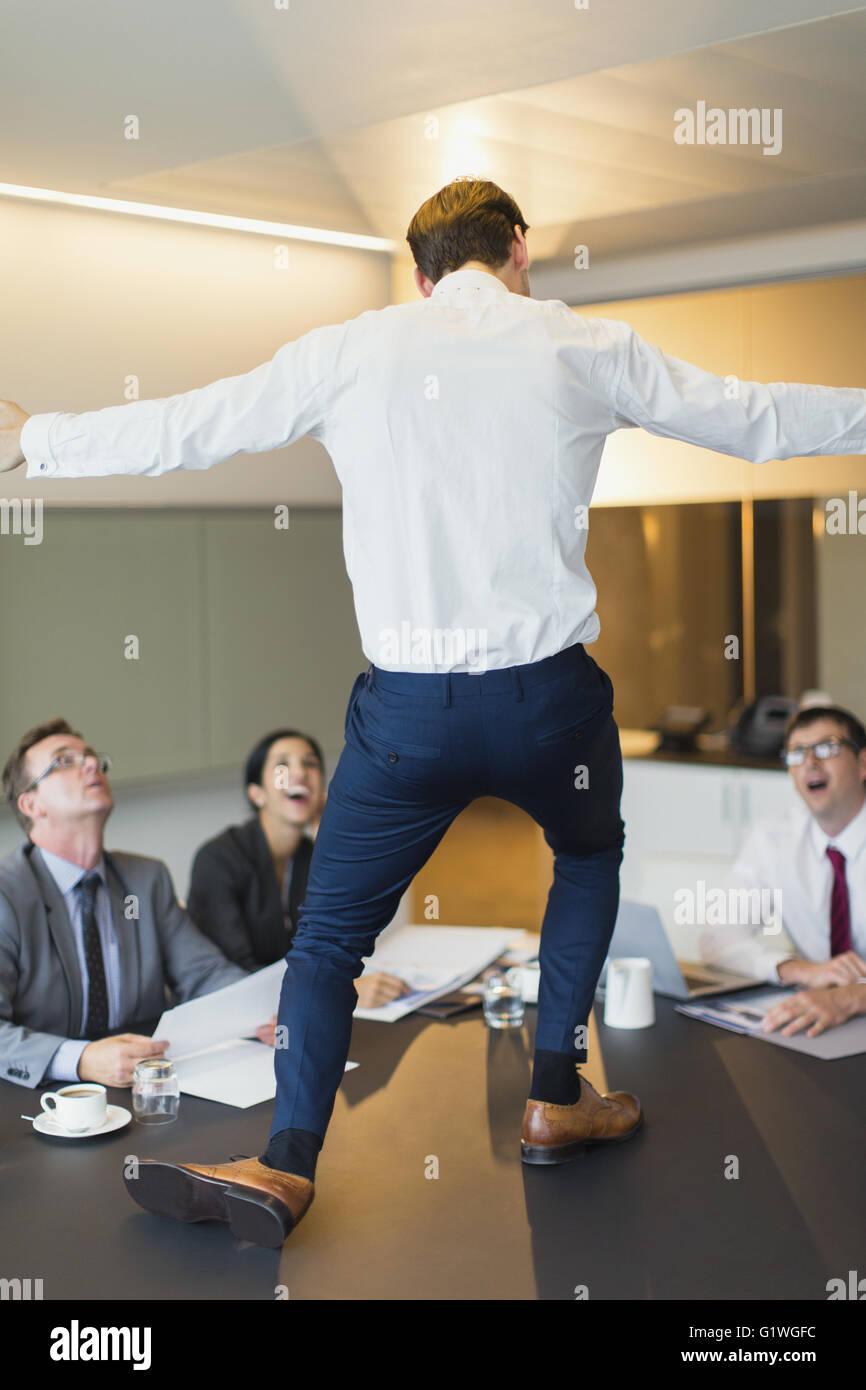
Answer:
(201, 219)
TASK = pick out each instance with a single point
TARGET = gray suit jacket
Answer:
(40, 981)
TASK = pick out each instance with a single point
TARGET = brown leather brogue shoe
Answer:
(557, 1133)
(260, 1204)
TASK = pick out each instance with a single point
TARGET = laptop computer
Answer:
(639, 931)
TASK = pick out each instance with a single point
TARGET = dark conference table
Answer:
(654, 1218)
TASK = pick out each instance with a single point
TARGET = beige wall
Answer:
(808, 331)
(92, 297)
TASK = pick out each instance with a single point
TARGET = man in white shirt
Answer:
(814, 858)
(467, 430)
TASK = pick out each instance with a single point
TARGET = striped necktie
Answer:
(97, 998)
(840, 909)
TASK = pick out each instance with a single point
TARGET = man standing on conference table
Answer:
(467, 430)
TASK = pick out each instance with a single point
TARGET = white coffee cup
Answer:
(628, 1000)
(77, 1107)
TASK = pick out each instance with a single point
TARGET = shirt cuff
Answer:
(64, 1064)
(35, 446)
(773, 962)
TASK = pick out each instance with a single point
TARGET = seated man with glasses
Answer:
(815, 857)
(89, 940)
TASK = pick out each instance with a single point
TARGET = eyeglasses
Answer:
(68, 759)
(827, 748)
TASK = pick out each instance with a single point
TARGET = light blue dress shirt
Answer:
(64, 1064)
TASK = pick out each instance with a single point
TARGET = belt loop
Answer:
(446, 689)
(518, 688)
(368, 675)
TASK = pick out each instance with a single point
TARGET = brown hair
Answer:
(15, 777)
(468, 220)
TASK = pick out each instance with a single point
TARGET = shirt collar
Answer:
(850, 839)
(468, 283)
(66, 874)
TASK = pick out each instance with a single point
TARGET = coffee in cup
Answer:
(77, 1108)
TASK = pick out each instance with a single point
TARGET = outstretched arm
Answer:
(271, 406)
(12, 419)
(747, 419)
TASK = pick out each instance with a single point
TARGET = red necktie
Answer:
(840, 912)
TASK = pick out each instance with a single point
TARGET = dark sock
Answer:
(555, 1078)
(293, 1151)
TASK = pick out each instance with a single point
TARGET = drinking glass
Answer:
(155, 1092)
(503, 999)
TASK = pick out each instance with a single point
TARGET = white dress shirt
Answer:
(64, 1064)
(789, 853)
(466, 431)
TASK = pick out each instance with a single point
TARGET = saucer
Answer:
(116, 1118)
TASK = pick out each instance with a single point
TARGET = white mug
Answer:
(530, 976)
(628, 1000)
(77, 1107)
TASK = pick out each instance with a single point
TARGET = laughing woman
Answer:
(248, 883)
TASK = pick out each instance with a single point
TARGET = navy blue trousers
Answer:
(419, 748)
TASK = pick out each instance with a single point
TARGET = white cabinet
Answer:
(670, 806)
(685, 822)
(762, 794)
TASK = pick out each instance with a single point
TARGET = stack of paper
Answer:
(210, 1046)
(744, 1013)
(433, 961)
(211, 1039)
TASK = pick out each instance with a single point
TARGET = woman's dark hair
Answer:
(468, 220)
(255, 763)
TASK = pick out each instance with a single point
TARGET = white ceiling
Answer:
(319, 114)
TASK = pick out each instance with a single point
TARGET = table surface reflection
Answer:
(421, 1193)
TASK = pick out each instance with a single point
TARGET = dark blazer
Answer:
(234, 896)
(164, 958)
